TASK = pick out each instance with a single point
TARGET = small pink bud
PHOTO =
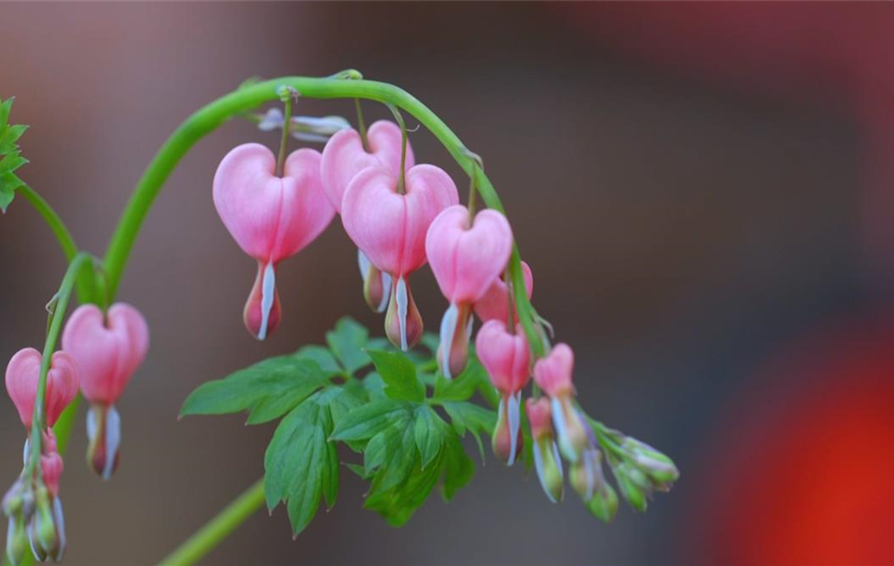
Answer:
(104, 437)
(494, 304)
(344, 157)
(389, 228)
(505, 356)
(107, 349)
(376, 284)
(553, 372)
(403, 323)
(270, 217)
(263, 310)
(51, 468)
(23, 375)
(540, 417)
(507, 440)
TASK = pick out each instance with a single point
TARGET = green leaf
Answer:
(468, 416)
(8, 185)
(398, 504)
(373, 418)
(9, 136)
(347, 341)
(458, 467)
(463, 386)
(268, 389)
(391, 452)
(5, 109)
(375, 386)
(430, 432)
(322, 356)
(300, 465)
(399, 375)
(12, 161)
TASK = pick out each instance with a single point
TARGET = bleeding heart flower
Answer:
(466, 256)
(553, 375)
(343, 157)
(51, 468)
(506, 357)
(546, 454)
(494, 305)
(23, 374)
(270, 217)
(107, 349)
(389, 228)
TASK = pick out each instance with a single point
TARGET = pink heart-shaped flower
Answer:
(107, 349)
(270, 217)
(494, 304)
(468, 256)
(390, 227)
(505, 356)
(23, 374)
(344, 157)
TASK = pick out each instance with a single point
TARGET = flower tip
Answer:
(104, 435)
(403, 323)
(263, 310)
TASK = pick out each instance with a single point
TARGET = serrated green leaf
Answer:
(11, 162)
(373, 418)
(9, 136)
(458, 467)
(399, 375)
(357, 469)
(430, 431)
(5, 109)
(468, 416)
(398, 504)
(347, 341)
(331, 469)
(322, 356)
(463, 386)
(298, 462)
(374, 386)
(268, 389)
(391, 452)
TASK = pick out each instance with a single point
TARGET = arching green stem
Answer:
(342, 85)
(56, 317)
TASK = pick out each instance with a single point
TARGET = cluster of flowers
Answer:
(100, 352)
(401, 215)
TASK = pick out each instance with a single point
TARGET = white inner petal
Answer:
(59, 519)
(514, 402)
(401, 298)
(448, 329)
(268, 291)
(113, 441)
(562, 431)
(538, 465)
(363, 263)
(386, 292)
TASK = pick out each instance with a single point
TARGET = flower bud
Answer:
(507, 440)
(104, 436)
(16, 539)
(44, 525)
(604, 503)
(23, 375)
(505, 356)
(588, 480)
(570, 428)
(547, 461)
(660, 470)
(376, 284)
(494, 304)
(553, 372)
(634, 485)
(403, 323)
(51, 467)
(263, 310)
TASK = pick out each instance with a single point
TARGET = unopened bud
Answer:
(44, 525)
(507, 440)
(573, 437)
(660, 469)
(376, 284)
(104, 435)
(634, 486)
(549, 468)
(304, 128)
(604, 503)
(403, 323)
(16, 539)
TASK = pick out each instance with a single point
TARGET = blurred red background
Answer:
(704, 193)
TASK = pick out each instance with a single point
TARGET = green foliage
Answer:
(381, 403)
(10, 155)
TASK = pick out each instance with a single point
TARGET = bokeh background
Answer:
(705, 193)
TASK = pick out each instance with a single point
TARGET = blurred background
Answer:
(705, 193)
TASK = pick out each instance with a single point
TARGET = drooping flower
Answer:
(343, 158)
(494, 305)
(23, 374)
(107, 349)
(389, 227)
(506, 357)
(270, 217)
(466, 256)
(553, 374)
(547, 461)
